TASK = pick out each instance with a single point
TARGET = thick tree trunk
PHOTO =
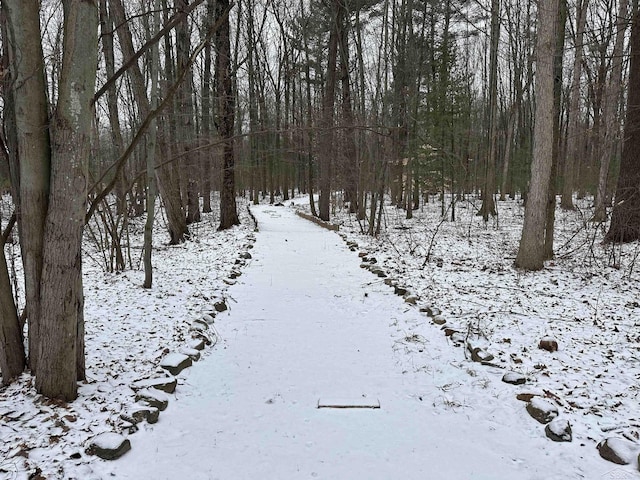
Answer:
(625, 219)
(34, 155)
(531, 253)
(61, 293)
(226, 111)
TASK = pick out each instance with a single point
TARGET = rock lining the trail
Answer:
(619, 450)
(559, 430)
(166, 384)
(109, 445)
(174, 363)
(542, 410)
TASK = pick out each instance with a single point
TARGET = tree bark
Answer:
(573, 131)
(610, 120)
(531, 253)
(326, 133)
(12, 358)
(625, 218)
(488, 203)
(186, 127)
(61, 293)
(226, 112)
(34, 151)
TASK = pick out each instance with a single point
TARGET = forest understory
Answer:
(586, 299)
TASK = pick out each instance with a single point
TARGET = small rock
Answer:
(233, 274)
(208, 319)
(514, 378)
(450, 331)
(141, 413)
(389, 281)
(174, 363)
(362, 254)
(411, 300)
(401, 291)
(246, 255)
(525, 397)
(199, 324)
(191, 352)
(542, 410)
(220, 306)
(618, 450)
(439, 320)
(229, 281)
(109, 446)
(165, 384)
(203, 336)
(559, 430)
(154, 398)
(365, 265)
(548, 344)
(431, 311)
(197, 343)
(457, 338)
(480, 355)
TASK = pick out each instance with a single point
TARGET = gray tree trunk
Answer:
(61, 293)
(573, 131)
(34, 154)
(611, 107)
(531, 253)
(226, 111)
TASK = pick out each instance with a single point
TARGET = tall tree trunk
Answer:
(34, 151)
(207, 114)
(186, 127)
(151, 146)
(61, 294)
(573, 131)
(226, 111)
(326, 123)
(625, 218)
(531, 253)
(488, 203)
(611, 123)
(557, 135)
(351, 161)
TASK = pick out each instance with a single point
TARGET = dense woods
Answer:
(109, 106)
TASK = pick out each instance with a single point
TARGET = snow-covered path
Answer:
(306, 323)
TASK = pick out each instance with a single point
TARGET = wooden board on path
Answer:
(362, 402)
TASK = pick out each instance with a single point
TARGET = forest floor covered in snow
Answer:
(586, 300)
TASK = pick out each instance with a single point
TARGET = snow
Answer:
(307, 324)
